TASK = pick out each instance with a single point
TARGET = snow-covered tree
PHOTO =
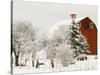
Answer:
(65, 54)
(51, 51)
(77, 41)
(23, 35)
(57, 46)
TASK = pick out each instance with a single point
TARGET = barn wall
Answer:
(90, 34)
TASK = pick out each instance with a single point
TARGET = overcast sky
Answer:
(44, 15)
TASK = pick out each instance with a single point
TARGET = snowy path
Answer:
(89, 64)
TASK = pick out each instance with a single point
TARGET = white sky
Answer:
(44, 15)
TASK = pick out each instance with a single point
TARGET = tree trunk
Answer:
(37, 64)
(32, 63)
(17, 60)
(12, 58)
(16, 57)
(52, 63)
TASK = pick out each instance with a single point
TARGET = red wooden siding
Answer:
(88, 29)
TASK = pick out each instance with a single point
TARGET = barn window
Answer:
(91, 26)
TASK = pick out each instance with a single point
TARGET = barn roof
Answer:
(83, 18)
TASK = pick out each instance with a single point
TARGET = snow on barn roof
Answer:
(86, 17)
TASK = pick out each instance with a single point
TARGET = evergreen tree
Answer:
(76, 39)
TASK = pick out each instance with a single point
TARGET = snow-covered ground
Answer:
(90, 64)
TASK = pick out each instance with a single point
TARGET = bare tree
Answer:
(23, 35)
(51, 51)
(40, 45)
(58, 47)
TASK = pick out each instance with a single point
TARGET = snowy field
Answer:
(90, 64)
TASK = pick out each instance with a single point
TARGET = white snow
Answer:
(62, 23)
(57, 26)
(90, 64)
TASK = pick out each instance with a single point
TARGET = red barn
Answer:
(89, 30)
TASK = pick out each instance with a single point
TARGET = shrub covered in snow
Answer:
(65, 54)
